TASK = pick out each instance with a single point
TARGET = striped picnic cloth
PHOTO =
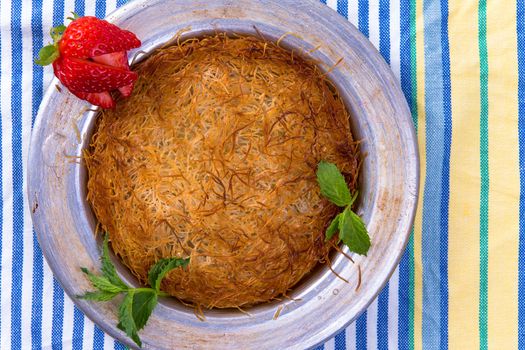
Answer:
(461, 282)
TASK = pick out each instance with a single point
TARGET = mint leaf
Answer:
(47, 55)
(102, 283)
(143, 304)
(353, 232)
(108, 269)
(126, 320)
(158, 271)
(332, 184)
(98, 296)
(334, 227)
(135, 311)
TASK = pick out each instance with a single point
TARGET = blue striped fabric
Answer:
(445, 176)
(361, 343)
(38, 261)
(17, 168)
(521, 135)
(37, 314)
(406, 64)
(435, 231)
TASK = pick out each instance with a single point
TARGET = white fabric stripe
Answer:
(353, 13)
(7, 176)
(395, 37)
(27, 88)
(373, 22)
(89, 7)
(350, 334)
(67, 328)
(332, 4)
(47, 306)
(330, 345)
(371, 326)
(393, 305)
(87, 338)
(109, 343)
(48, 75)
(47, 22)
(111, 5)
(69, 6)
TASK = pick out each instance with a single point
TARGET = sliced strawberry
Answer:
(101, 99)
(119, 60)
(127, 90)
(114, 59)
(75, 46)
(89, 36)
(86, 76)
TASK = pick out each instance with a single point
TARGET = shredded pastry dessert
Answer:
(213, 157)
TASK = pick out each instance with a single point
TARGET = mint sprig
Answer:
(352, 229)
(138, 303)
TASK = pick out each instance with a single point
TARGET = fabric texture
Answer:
(461, 281)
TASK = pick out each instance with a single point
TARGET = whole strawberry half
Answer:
(90, 58)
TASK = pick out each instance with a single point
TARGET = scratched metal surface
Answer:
(65, 224)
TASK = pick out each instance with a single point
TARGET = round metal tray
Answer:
(322, 304)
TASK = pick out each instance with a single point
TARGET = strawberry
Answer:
(115, 59)
(86, 76)
(119, 60)
(89, 58)
(126, 90)
(89, 36)
(101, 99)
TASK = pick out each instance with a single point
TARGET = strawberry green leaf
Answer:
(73, 17)
(353, 232)
(47, 55)
(333, 228)
(108, 269)
(56, 32)
(332, 183)
(158, 271)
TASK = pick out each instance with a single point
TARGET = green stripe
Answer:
(413, 61)
(484, 173)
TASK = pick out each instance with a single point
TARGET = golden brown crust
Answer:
(214, 157)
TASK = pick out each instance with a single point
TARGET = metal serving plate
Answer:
(323, 304)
